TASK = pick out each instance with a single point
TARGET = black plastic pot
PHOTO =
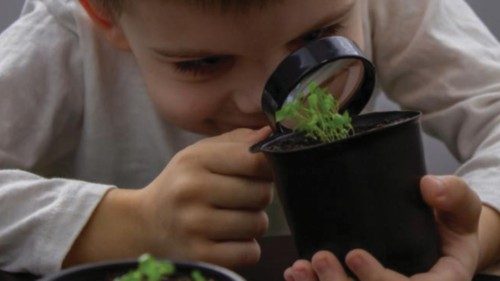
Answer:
(361, 192)
(107, 271)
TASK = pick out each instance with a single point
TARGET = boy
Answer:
(106, 97)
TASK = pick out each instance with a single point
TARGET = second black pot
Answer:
(361, 192)
(108, 271)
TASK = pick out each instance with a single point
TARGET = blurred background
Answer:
(439, 160)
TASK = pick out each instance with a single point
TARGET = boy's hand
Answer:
(457, 210)
(208, 204)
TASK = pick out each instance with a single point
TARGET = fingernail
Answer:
(288, 275)
(289, 278)
(321, 265)
(299, 275)
(356, 263)
(437, 180)
(438, 185)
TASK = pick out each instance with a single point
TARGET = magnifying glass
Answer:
(334, 63)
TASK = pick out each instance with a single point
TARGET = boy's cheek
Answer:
(190, 111)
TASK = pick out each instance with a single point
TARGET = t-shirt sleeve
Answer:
(40, 119)
(436, 56)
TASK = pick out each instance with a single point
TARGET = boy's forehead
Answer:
(180, 23)
(228, 5)
(231, 6)
(220, 6)
(170, 11)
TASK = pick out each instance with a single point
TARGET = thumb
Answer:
(456, 206)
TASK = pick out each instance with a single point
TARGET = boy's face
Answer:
(206, 69)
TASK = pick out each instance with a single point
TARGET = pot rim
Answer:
(412, 115)
(133, 263)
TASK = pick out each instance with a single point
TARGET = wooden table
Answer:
(277, 254)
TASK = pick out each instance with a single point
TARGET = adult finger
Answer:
(448, 268)
(302, 270)
(328, 267)
(367, 268)
(288, 274)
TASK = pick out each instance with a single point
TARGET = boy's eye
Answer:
(204, 66)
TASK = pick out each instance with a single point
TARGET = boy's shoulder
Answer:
(41, 51)
(67, 14)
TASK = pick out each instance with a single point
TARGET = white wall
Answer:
(439, 161)
(9, 10)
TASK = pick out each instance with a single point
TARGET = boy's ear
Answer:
(106, 24)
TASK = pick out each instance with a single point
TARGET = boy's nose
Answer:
(248, 100)
(253, 81)
(248, 92)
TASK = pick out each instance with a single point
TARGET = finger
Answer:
(231, 254)
(288, 274)
(448, 268)
(243, 135)
(456, 205)
(233, 159)
(328, 267)
(237, 193)
(367, 268)
(302, 271)
(225, 225)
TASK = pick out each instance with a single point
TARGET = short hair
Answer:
(117, 6)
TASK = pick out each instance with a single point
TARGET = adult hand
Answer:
(457, 209)
(209, 202)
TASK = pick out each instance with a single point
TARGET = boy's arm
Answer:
(40, 123)
(208, 204)
(117, 229)
(40, 219)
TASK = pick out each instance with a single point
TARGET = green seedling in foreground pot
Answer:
(317, 116)
(151, 269)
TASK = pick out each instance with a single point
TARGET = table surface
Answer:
(277, 254)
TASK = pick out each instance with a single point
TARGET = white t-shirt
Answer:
(75, 119)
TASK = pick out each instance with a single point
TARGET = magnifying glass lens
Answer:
(341, 78)
(335, 64)
(344, 83)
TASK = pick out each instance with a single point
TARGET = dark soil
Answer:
(297, 141)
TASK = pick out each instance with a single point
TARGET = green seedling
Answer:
(151, 269)
(317, 116)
